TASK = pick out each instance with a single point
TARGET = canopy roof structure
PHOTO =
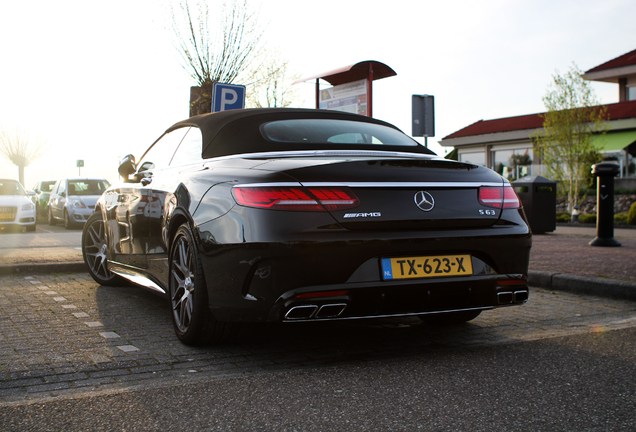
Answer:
(353, 72)
(370, 70)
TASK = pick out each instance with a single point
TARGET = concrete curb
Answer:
(600, 287)
(43, 268)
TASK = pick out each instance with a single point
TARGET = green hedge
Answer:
(587, 218)
(619, 218)
(562, 217)
(631, 216)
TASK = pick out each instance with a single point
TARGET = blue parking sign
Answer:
(227, 97)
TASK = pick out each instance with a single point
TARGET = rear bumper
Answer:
(24, 218)
(79, 215)
(262, 281)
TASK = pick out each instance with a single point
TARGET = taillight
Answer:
(296, 198)
(499, 197)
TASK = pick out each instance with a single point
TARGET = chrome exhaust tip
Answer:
(331, 310)
(504, 297)
(301, 312)
(520, 296)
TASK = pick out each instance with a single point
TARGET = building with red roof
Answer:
(492, 143)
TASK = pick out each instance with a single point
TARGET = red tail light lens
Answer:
(499, 197)
(296, 199)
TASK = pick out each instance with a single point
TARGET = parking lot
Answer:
(64, 335)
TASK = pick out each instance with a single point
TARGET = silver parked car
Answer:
(73, 200)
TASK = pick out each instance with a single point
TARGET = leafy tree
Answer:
(214, 47)
(564, 145)
(21, 148)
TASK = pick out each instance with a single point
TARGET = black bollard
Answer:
(605, 173)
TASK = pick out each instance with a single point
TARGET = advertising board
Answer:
(350, 97)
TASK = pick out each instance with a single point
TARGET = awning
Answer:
(352, 73)
(614, 140)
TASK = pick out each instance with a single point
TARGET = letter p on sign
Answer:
(227, 97)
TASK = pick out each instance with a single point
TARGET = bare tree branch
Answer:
(21, 148)
(215, 50)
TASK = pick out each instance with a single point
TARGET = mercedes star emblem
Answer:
(424, 201)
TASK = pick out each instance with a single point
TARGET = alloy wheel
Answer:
(182, 284)
(94, 250)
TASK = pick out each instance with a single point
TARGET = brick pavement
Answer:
(64, 336)
(568, 251)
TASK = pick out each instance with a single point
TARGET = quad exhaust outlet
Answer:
(306, 312)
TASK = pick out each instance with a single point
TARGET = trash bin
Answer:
(538, 197)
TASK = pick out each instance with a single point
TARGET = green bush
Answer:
(623, 191)
(563, 217)
(631, 216)
(620, 218)
(587, 218)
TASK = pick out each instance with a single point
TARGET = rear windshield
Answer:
(11, 187)
(328, 131)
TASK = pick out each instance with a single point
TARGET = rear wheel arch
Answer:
(177, 219)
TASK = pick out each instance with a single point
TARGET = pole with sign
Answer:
(80, 164)
(423, 116)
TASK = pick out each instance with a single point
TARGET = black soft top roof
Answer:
(238, 131)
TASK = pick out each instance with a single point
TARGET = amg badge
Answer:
(363, 215)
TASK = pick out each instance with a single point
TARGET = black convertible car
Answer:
(296, 215)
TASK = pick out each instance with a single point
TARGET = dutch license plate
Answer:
(427, 266)
(7, 216)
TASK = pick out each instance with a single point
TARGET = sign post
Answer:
(80, 164)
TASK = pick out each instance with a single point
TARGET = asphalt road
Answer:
(583, 382)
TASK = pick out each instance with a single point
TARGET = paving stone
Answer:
(94, 324)
(128, 348)
(47, 351)
(109, 335)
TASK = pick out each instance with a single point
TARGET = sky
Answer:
(99, 80)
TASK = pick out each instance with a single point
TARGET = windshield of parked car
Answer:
(330, 131)
(87, 187)
(11, 187)
(47, 186)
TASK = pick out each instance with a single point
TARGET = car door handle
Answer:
(146, 181)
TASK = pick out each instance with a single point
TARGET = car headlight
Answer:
(27, 207)
(78, 204)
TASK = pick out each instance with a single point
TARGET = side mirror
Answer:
(31, 193)
(127, 166)
(146, 166)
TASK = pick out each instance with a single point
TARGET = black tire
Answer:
(31, 228)
(51, 219)
(450, 318)
(68, 224)
(94, 251)
(191, 317)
